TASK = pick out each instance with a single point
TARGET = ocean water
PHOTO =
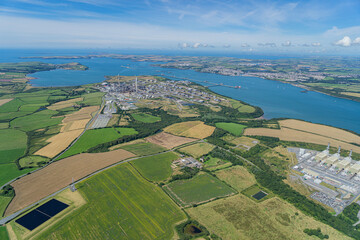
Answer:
(275, 98)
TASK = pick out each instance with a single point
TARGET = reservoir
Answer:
(278, 100)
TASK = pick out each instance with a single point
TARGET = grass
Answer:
(11, 106)
(250, 142)
(250, 191)
(36, 120)
(32, 161)
(145, 118)
(120, 205)
(3, 233)
(233, 128)
(198, 149)
(246, 109)
(238, 217)
(10, 171)
(94, 137)
(93, 99)
(13, 145)
(156, 168)
(237, 177)
(4, 125)
(4, 202)
(144, 148)
(201, 188)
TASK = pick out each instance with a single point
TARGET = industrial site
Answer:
(335, 178)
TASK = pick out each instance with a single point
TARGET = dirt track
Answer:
(58, 175)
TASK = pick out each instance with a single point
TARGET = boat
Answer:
(237, 86)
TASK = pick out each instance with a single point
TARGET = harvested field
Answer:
(64, 104)
(57, 175)
(310, 133)
(193, 129)
(3, 101)
(78, 124)
(168, 141)
(58, 143)
(84, 113)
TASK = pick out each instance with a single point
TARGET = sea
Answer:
(277, 99)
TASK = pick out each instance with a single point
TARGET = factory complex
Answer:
(336, 179)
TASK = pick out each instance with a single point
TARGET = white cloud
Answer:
(245, 45)
(344, 42)
(268, 44)
(356, 41)
(316, 44)
(196, 45)
(226, 46)
(286, 44)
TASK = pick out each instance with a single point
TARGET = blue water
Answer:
(275, 98)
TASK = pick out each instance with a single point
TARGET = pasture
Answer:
(168, 141)
(4, 202)
(191, 129)
(145, 118)
(155, 168)
(126, 206)
(64, 104)
(243, 142)
(3, 233)
(238, 217)
(144, 148)
(9, 171)
(201, 188)
(94, 137)
(12, 145)
(300, 131)
(3, 101)
(93, 99)
(237, 177)
(198, 149)
(233, 128)
(59, 174)
(213, 164)
(32, 161)
(36, 120)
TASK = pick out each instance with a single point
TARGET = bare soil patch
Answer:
(58, 175)
(168, 141)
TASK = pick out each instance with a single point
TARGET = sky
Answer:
(306, 26)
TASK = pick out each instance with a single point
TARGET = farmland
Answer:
(125, 206)
(304, 133)
(64, 104)
(10, 171)
(237, 177)
(198, 149)
(233, 128)
(12, 146)
(213, 163)
(36, 120)
(144, 148)
(146, 118)
(238, 217)
(57, 175)
(93, 137)
(201, 188)
(192, 129)
(3, 233)
(168, 141)
(32, 161)
(156, 168)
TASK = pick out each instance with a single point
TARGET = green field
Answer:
(250, 191)
(213, 164)
(4, 202)
(12, 146)
(142, 149)
(32, 161)
(197, 150)
(93, 99)
(10, 171)
(156, 168)
(200, 188)
(11, 106)
(233, 128)
(120, 205)
(146, 118)
(36, 120)
(94, 137)
(3, 233)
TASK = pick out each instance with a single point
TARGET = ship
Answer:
(237, 86)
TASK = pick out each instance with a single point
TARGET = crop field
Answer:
(32, 161)
(233, 128)
(146, 118)
(93, 99)
(10, 171)
(4, 125)
(198, 149)
(237, 177)
(238, 217)
(64, 104)
(192, 129)
(12, 146)
(3, 233)
(58, 175)
(11, 106)
(3, 101)
(4, 201)
(94, 137)
(201, 188)
(322, 134)
(156, 168)
(144, 148)
(84, 113)
(168, 141)
(36, 120)
(126, 206)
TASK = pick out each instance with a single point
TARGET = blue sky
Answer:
(312, 26)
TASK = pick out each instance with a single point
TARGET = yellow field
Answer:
(309, 132)
(239, 217)
(238, 177)
(192, 129)
(73, 125)
(64, 104)
(3, 101)
(351, 94)
(167, 140)
(198, 149)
